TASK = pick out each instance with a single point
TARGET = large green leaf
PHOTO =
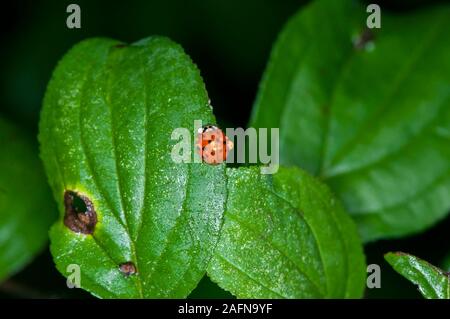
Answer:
(286, 236)
(433, 283)
(26, 208)
(370, 117)
(137, 224)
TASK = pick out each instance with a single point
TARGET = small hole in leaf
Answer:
(80, 215)
(128, 268)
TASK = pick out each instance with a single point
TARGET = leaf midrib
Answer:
(416, 195)
(301, 215)
(374, 121)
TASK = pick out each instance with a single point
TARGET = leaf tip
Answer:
(364, 40)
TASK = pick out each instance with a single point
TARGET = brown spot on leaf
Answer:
(363, 39)
(128, 268)
(80, 214)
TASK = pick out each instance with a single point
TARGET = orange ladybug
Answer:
(213, 145)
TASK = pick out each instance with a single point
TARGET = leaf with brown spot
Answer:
(105, 135)
(367, 112)
(79, 219)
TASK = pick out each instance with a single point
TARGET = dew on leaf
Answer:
(128, 268)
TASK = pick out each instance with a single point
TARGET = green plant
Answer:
(364, 148)
(433, 283)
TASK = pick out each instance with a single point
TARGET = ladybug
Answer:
(212, 145)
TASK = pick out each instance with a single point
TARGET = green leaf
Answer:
(371, 118)
(144, 225)
(433, 283)
(286, 236)
(26, 209)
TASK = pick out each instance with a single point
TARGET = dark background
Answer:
(230, 41)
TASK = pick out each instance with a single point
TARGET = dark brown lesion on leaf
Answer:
(80, 215)
(363, 39)
(128, 268)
